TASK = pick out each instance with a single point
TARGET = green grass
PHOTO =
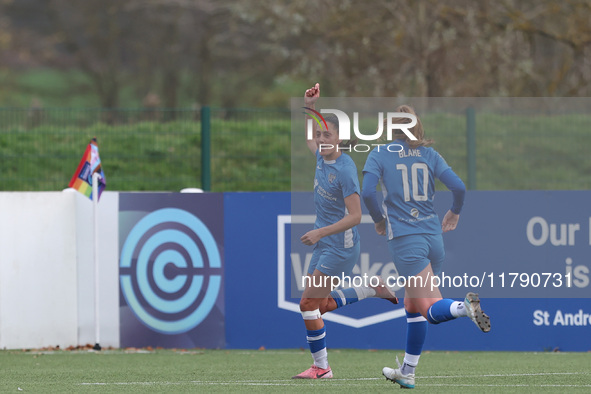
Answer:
(357, 371)
(251, 150)
(142, 155)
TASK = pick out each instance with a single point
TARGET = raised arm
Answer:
(310, 98)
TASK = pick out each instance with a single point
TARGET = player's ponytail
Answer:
(416, 130)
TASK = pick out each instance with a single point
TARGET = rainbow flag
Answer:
(90, 163)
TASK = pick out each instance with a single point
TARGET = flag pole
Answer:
(95, 195)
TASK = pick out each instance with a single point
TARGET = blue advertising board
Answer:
(224, 270)
(524, 244)
(501, 235)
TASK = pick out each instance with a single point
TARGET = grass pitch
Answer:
(271, 370)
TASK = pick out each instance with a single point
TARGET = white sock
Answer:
(457, 309)
(321, 358)
(364, 292)
(410, 363)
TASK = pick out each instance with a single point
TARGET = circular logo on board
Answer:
(170, 271)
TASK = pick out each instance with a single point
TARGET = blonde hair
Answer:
(416, 130)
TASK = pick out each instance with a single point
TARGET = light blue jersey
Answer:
(407, 178)
(335, 180)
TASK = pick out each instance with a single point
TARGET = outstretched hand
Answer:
(312, 95)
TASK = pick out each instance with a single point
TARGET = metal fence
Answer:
(221, 149)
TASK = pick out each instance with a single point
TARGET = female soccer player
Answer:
(336, 240)
(407, 170)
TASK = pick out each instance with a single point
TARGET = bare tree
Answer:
(231, 53)
(95, 33)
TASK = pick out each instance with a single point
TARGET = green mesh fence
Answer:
(157, 150)
(140, 150)
(250, 150)
(160, 150)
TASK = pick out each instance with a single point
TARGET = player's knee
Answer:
(309, 304)
(327, 305)
(409, 306)
(416, 305)
(309, 309)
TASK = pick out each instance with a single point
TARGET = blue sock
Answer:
(416, 332)
(344, 297)
(317, 342)
(440, 311)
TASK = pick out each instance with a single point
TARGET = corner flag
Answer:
(90, 163)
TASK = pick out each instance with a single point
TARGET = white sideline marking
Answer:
(504, 385)
(508, 375)
(257, 352)
(289, 382)
(330, 384)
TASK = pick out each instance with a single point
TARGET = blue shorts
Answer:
(334, 261)
(412, 253)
